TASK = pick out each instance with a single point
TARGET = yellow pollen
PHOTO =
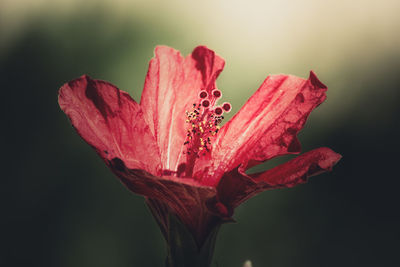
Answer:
(203, 124)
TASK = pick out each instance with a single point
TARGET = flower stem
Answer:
(183, 251)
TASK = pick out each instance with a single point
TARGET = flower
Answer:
(171, 149)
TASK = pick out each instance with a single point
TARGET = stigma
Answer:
(204, 123)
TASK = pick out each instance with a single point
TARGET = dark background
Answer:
(61, 206)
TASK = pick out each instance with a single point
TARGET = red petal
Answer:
(297, 170)
(235, 187)
(110, 121)
(209, 64)
(172, 86)
(185, 198)
(267, 125)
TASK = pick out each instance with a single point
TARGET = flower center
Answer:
(203, 120)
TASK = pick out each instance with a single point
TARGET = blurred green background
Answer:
(61, 206)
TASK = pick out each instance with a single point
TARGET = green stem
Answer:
(183, 251)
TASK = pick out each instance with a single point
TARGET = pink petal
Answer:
(235, 187)
(267, 125)
(172, 86)
(110, 121)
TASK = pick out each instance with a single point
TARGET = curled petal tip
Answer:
(294, 147)
(163, 50)
(331, 158)
(315, 81)
(201, 47)
(218, 208)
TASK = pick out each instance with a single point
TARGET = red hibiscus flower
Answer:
(171, 149)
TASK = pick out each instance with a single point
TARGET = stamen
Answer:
(203, 124)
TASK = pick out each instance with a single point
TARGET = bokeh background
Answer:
(61, 206)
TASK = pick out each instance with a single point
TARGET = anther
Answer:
(227, 106)
(203, 94)
(216, 93)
